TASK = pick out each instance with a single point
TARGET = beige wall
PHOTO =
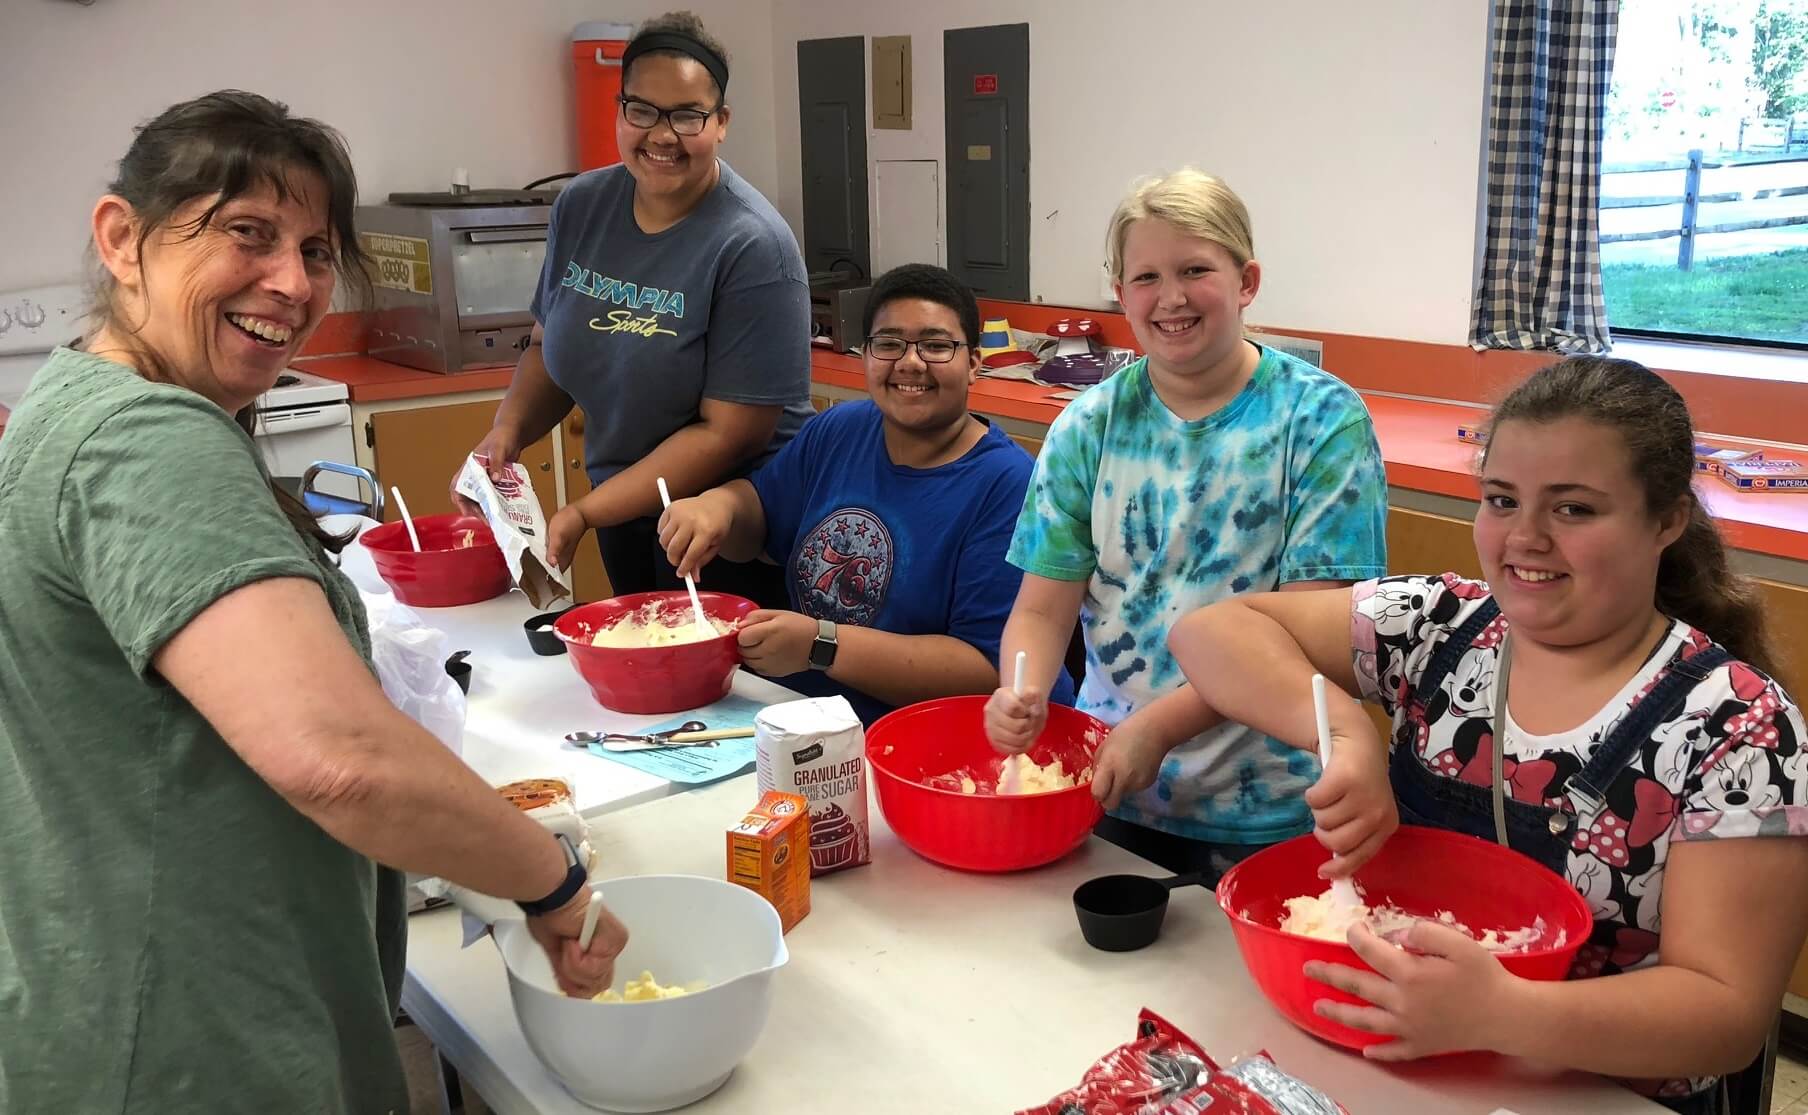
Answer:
(419, 87)
(1353, 131)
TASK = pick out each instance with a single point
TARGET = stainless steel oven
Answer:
(454, 280)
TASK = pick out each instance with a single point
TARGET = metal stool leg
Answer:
(451, 1097)
(1748, 1091)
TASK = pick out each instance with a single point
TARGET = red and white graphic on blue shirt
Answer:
(844, 567)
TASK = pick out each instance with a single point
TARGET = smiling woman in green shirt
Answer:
(200, 778)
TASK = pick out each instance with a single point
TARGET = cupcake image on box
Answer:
(834, 841)
(815, 748)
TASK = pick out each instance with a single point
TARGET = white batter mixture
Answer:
(653, 626)
(645, 989)
(1322, 917)
(1019, 774)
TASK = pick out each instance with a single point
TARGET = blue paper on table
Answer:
(697, 766)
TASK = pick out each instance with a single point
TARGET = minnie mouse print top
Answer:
(1731, 764)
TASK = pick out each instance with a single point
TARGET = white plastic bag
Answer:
(411, 663)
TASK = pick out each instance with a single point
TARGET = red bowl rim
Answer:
(389, 529)
(873, 759)
(1572, 898)
(633, 601)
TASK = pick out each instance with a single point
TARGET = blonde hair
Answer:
(1196, 203)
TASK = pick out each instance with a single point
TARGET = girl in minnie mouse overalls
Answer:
(1624, 668)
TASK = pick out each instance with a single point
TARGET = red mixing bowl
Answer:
(444, 574)
(979, 832)
(1420, 870)
(654, 679)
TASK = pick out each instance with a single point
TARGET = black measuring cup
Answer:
(1122, 913)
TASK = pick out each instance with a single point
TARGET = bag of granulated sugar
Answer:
(512, 511)
(816, 748)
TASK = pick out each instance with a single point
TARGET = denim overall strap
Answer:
(1450, 652)
(1427, 798)
(1587, 788)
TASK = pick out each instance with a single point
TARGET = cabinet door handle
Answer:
(574, 463)
(545, 466)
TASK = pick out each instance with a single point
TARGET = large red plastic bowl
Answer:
(444, 574)
(979, 832)
(654, 679)
(1420, 870)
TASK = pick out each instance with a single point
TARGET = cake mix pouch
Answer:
(1138, 1077)
(1164, 1072)
(513, 512)
(816, 748)
(1261, 1088)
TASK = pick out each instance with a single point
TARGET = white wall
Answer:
(1352, 131)
(418, 87)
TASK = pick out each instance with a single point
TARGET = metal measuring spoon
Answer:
(637, 741)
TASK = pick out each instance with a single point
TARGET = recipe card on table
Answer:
(697, 766)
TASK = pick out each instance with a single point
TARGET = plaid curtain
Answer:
(1540, 285)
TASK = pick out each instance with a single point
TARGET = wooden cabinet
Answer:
(589, 581)
(1031, 445)
(420, 450)
(1786, 610)
(1421, 542)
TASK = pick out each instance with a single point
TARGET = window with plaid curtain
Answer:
(1540, 285)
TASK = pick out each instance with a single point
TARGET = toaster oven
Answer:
(837, 306)
(453, 281)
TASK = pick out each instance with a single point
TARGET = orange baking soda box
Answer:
(769, 853)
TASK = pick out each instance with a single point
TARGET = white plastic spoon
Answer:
(590, 915)
(1343, 891)
(407, 519)
(665, 498)
(1007, 775)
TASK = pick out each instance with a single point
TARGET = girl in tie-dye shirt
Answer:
(1210, 467)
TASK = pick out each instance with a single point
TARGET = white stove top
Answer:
(295, 389)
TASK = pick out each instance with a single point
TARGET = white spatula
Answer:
(590, 915)
(1343, 891)
(665, 497)
(1007, 775)
(407, 519)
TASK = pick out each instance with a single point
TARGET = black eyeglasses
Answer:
(646, 117)
(933, 350)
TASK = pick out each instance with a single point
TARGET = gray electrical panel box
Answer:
(831, 95)
(986, 74)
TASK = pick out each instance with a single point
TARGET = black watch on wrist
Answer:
(822, 651)
(576, 874)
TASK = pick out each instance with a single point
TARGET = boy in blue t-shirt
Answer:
(890, 519)
(1210, 467)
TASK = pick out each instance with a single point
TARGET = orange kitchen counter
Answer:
(1420, 446)
(1418, 438)
(1419, 443)
(374, 381)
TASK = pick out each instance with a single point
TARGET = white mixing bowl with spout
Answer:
(657, 1055)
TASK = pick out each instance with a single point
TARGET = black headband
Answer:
(683, 44)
